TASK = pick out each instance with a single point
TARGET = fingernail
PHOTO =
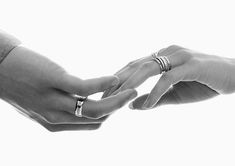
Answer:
(115, 82)
(131, 106)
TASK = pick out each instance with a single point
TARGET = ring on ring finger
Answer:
(162, 61)
(79, 104)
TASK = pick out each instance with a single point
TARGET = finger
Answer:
(109, 91)
(147, 70)
(63, 110)
(101, 84)
(131, 68)
(63, 117)
(163, 52)
(91, 109)
(168, 98)
(70, 127)
(187, 92)
(125, 73)
(169, 50)
(138, 102)
(74, 85)
(65, 127)
(60, 127)
(104, 107)
(181, 93)
(164, 83)
(128, 65)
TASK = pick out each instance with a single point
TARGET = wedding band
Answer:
(79, 104)
(154, 56)
(168, 63)
(163, 62)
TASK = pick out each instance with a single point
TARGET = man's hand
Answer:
(44, 91)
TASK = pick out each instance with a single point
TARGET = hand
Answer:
(194, 77)
(44, 91)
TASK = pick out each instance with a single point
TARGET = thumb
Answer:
(181, 93)
(74, 85)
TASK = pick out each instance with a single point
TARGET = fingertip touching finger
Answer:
(104, 107)
(74, 85)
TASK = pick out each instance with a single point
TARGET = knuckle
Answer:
(185, 54)
(173, 47)
(169, 77)
(145, 66)
(161, 50)
(195, 62)
(131, 64)
(166, 75)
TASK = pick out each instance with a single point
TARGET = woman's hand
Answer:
(44, 91)
(194, 77)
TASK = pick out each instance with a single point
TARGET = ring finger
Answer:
(92, 111)
(147, 70)
(126, 73)
(63, 109)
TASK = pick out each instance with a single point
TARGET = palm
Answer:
(180, 93)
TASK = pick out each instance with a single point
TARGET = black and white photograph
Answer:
(112, 83)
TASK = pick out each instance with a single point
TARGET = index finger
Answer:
(98, 109)
(125, 73)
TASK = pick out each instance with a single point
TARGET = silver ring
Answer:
(79, 104)
(163, 62)
(168, 63)
(154, 56)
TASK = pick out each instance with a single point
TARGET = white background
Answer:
(96, 38)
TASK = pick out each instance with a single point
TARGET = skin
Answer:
(194, 77)
(44, 92)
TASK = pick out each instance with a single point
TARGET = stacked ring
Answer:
(163, 62)
(79, 104)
